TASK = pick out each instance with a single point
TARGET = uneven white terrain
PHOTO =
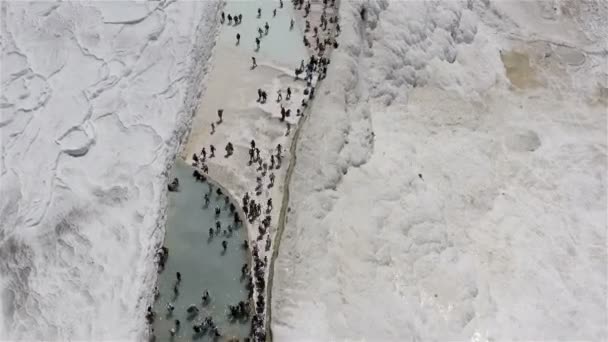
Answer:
(451, 179)
(95, 98)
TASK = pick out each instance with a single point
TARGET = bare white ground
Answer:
(451, 181)
(95, 98)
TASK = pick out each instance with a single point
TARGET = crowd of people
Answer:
(314, 69)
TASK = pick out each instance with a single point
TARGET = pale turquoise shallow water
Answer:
(200, 261)
(281, 45)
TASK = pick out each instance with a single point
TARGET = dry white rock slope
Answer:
(451, 180)
(95, 97)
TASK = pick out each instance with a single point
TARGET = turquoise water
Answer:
(281, 45)
(201, 262)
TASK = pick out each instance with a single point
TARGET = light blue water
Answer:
(200, 261)
(281, 45)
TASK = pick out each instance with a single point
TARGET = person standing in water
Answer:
(238, 38)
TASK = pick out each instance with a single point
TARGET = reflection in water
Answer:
(202, 262)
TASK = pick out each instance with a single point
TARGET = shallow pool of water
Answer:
(201, 262)
(282, 45)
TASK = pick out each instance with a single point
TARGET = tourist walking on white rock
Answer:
(251, 152)
(254, 64)
(238, 38)
(229, 150)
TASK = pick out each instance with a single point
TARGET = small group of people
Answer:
(240, 310)
(236, 18)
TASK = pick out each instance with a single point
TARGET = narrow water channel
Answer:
(201, 261)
